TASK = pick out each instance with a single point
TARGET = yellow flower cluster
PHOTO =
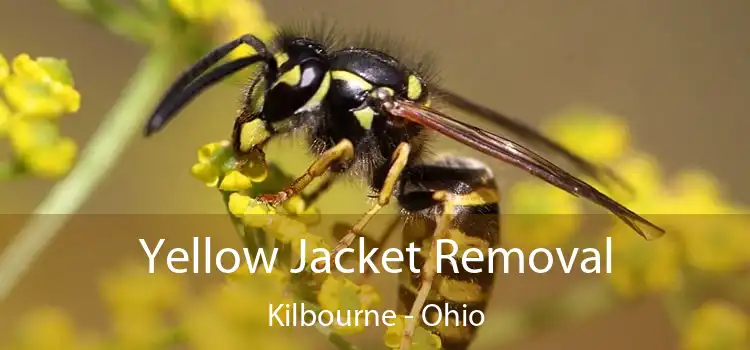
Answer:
(155, 311)
(704, 231)
(237, 315)
(595, 135)
(48, 328)
(215, 162)
(232, 17)
(717, 325)
(285, 229)
(715, 235)
(540, 215)
(341, 294)
(36, 93)
(217, 167)
(138, 301)
(641, 266)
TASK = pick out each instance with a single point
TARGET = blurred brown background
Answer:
(676, 69)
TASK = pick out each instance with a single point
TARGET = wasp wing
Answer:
(525, 132)
(517, 155)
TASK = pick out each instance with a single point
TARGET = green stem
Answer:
(106, 145)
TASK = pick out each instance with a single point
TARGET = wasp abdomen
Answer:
(455, 306)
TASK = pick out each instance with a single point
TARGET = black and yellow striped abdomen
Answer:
(473, 200)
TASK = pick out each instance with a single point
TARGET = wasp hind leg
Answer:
(453, 198)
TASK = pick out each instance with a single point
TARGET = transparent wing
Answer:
(519, 156)
(526, 133)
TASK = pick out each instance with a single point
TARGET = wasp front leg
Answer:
(340, 153)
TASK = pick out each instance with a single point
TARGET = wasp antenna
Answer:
(190, 82)
(169, 108)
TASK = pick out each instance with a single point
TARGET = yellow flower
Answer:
(717, 325)
(6, 117)
(238, 204)
(138, 330)
(237, 314)
(207, 152)
(697, 192)
(289, 230)
(44, 69)
(640, 266)
(202, 11)
(28, 135)
(205, 172)
(297, 207)
(208, 169)
(421, 340)
(42, 87)
(258, 215)
(52, 161)
(540, 215)
(643, 173)
(244, 17)
(43, 151)
(137, 301)
(48, 328)
(341, 294)
(294, 205)
(233, 18)
(717, 242)
(715, 236)
(245, 303)
(4, 69)
(694, 215)
(215, 161)
(133, 289)
(596, 136)
(651, 195)
(235, 181)
(250, 211)
(37, 92)
(292, 232)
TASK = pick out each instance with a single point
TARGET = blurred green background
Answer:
(675, 70)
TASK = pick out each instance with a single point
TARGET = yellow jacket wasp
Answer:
(366, 114)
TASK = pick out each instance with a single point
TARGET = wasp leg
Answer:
(457, 199)
(429, 270)
(398, 163)
(314, 195)
(341, 152)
